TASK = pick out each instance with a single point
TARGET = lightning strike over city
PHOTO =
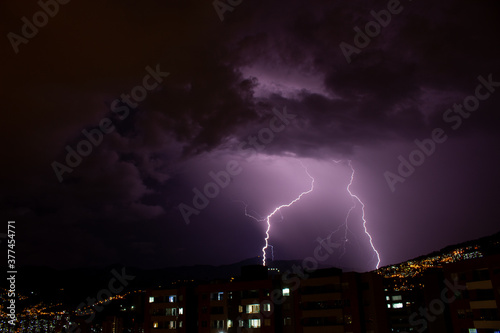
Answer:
(267, 219)
(362, 136)
(362, 214)
(355, 199)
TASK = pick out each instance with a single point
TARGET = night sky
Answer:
(175, 92)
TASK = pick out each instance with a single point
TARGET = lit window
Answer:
(397, 305)
(180, 324)
(229, 323)
(240, 309)
(286, 291)
(472, 330)
(241, 323)
(181, 311)
(388, 306)
(172, 325)
(266, 307)
(172, 298)
(387, 298)
(151, 299)
(155, 324)
(218, 296)
(253, 308)
(397, 298)
(254, 323)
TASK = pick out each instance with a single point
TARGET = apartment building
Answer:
(476, 284)
(170, 310)
(249, 304)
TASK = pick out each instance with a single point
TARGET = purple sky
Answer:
(227, 79)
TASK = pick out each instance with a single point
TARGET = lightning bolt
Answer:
(272, 252)
(346, 230)
(354, 196)
(267, 219)
(355, 199)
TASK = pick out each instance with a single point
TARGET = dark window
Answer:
(485, 294)
(481, 275)
(250, 294)
(217, 310)
(331, 288)
(489, 314)
(322, 321)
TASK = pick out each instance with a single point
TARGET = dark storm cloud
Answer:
(65, 79)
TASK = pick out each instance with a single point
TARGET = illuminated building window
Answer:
(172, 325)
(151, 299)
(181, 311)
(254, 323)
(388, 306)
(472, 330)
(219, 296)
(286, 291)
(387, 298)
(397, 305)
(253, 308)
(180, 324)
(172, 298)
(218, 324)
(241, 323)
(229, 323)
(155, 324)
(266, 307)
(397, 298)
(240, 309)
